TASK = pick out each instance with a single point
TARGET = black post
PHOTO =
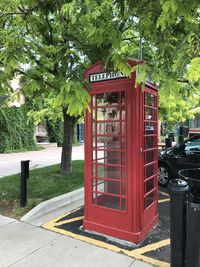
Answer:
(23, 182)
(168, 142)
(178, 190)
(180, 138)
(181, 130)
(78, 132)
(171, 135)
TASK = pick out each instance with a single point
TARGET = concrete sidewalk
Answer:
(51, 154)
(26, 245)
(23, 245)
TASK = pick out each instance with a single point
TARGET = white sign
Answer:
(104, 76)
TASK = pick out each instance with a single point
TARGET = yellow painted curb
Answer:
(137, 253)
(163, 200)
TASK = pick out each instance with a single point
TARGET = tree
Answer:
(36, 48)
(165, 34)
(56, 39)
(171, 31)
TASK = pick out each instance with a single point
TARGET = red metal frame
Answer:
(116, 185)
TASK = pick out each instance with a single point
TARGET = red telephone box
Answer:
(120, 155)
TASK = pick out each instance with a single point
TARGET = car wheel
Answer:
(164, 175)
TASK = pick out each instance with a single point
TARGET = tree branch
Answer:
(22, 10)
(50, 28)
(35, 78)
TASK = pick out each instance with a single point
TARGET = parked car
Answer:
(185, 155)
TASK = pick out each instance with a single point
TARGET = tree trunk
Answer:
(66, 158)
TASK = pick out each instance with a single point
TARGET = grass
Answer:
(43, 184)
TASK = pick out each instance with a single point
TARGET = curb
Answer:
(54, 207)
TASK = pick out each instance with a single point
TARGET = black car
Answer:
(185, 155)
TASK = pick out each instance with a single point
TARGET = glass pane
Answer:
(149, 185)
(123, 145)
(101, 171)
(123, 207)
(94, 169)
(113, 157)
(101, 160)
(99, 156)
(123, 114)
(112, 187)
(150, 142)
(108, 142)
(94, 198)
(149, 170)
(149, 199)
(94, 185)
(108, 201)
(94, 155)
(123, 99)
(123, 128)
(93, 101)
(108, 128)
(94, 141)
(149, 156)
(114, 144)
(113, 172)
(108, 99)
(123, 173)
(123, 189)
(149, 128)
(149, 99)
(106, 114)
(110, 157)
(123, 158)
(94, 128)
(150, 114)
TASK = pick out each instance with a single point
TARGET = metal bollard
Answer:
(168, 142)
(180, 138)
(171, 135)
(181, 130)
(178, 190)
(23, 182)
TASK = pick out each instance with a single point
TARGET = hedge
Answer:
(16, 132)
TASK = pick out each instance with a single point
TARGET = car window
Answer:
(192, 145)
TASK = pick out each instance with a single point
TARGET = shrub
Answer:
(16, 132)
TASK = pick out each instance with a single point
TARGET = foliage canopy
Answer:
(48, 44)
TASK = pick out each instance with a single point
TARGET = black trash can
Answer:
(192, 246)
(192, 177)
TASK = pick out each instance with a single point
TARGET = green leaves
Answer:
(176, 99)
(169, 10)
(50, 48)
(75, 97)
(194, 70)
(141, 74)
(16, 132)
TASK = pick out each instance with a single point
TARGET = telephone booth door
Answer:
(110, 196)
(150, 155)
